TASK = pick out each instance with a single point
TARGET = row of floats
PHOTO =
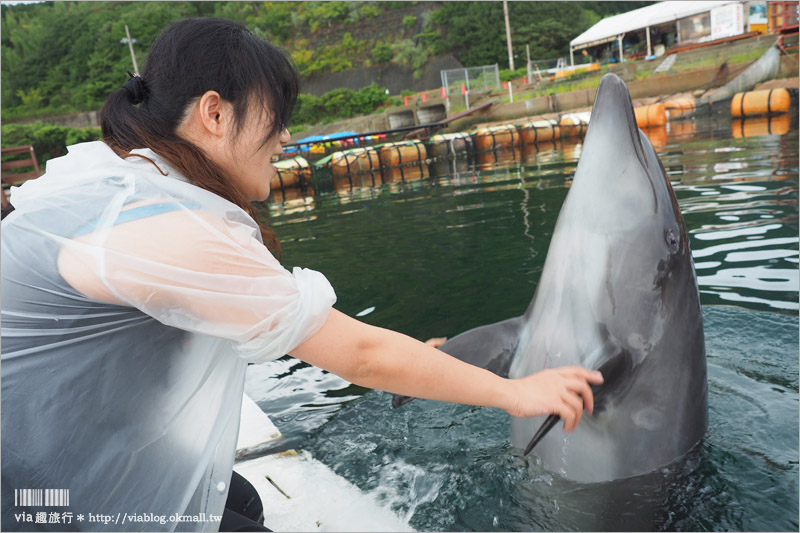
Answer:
(394, 161)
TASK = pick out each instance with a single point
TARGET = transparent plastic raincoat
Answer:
(131, 305)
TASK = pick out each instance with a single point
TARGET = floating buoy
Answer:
(503, 136)
(683, 128)
(541, 130)
(649, 116)
(657, 135)
(448, 144)
(294, 172)
(405, 173)
(760, 126)
(573, 125)
(543, 152)
(402, 153)
(755, 103)
(678, 107)
(507, 153)
(347, 183)
(287, 195)
(355, 160)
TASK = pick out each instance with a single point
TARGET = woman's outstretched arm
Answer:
(386, 360)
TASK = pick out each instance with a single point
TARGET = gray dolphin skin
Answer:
(618, 292)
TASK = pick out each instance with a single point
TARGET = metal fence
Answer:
(474, 79)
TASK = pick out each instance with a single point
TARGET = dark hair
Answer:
(188, 58)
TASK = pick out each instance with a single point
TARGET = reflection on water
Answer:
(438, 249)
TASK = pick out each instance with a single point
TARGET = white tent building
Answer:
(686, 21)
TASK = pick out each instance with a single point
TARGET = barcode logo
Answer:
(41, 497)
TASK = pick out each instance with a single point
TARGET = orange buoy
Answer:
(289, 195)
(682, 128)
(573, 125)
(492, 157)
(649, 116)
(679, 106)
(657, 135)
(406, 173)
(447, 144)
(760, 126)
(541, 130)
(294, 172)
(755, 103)
(402, 153)
(344, 184)
(505, 135)
(355, 160)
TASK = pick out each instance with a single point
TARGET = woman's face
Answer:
(248, 159)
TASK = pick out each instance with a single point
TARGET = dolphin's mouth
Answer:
(617, 372)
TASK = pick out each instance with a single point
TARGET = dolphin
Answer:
(618, 293)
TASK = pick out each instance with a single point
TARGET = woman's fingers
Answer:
(436, 341)
(573, 409)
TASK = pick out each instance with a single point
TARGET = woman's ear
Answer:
(213, 113)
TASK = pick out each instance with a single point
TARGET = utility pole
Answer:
(528, 64)
(130, 42)
(508, 36)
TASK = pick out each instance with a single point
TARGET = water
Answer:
(465, 247)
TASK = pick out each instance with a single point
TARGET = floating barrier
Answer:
(760, 126)
(678, 107)
(405, 173)
(289, 194)
(503, 136)
(682, 129)
(539, 152)
(294, 172)
(508, 153)
(657, 135)
(355, 161)
(649, 116)
(755, 103)
(402, 153)
(541, 130)
(346, 183)
(449, 144)
(574, 125)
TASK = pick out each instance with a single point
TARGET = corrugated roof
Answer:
(610, 28)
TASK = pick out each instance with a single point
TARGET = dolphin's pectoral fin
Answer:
(491, 347)
(616, 372)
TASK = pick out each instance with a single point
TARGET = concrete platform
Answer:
(300, 493)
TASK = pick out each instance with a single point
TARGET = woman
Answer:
(137, 286)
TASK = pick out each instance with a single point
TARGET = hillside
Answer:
(65, 57)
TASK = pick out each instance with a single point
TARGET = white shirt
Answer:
(123, 382)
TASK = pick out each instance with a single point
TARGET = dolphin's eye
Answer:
(672, 240)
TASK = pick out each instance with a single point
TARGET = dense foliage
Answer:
(48, 140)
(63, 57)
(339, 103)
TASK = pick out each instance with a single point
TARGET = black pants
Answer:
(243, 508)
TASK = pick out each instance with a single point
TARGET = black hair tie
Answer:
(137, 91)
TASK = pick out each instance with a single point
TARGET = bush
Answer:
(338, 103)
(508, 75)
(382, 53)
(48, 140)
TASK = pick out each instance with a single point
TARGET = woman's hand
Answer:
(436, 341)
(564, 391)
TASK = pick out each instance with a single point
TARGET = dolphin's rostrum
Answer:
(618, 292)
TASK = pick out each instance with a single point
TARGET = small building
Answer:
(649, 31)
